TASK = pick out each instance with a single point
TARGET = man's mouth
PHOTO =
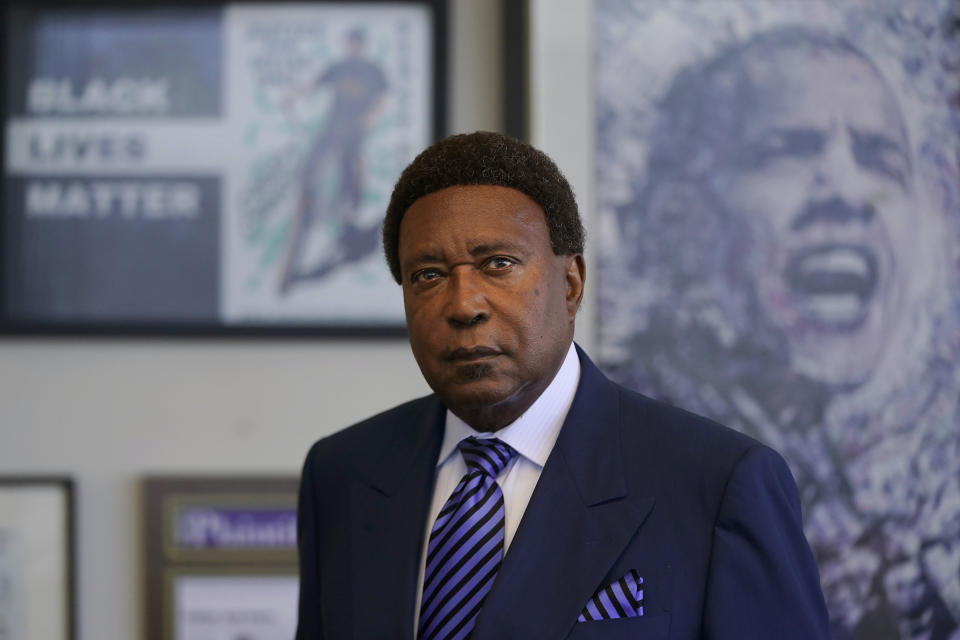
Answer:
(471, 354)
(833, 284)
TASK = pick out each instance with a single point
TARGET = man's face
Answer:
(823, 176)
(490, 309)
(356, 46)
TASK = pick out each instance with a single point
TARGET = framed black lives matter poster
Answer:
(779, 241)
(220, 557)
(210, 168)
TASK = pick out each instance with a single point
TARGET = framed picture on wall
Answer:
(221, 557)
(211, 168)
(778, 241)
(37, 600)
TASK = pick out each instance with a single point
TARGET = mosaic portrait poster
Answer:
(779, 242)
(212, 166)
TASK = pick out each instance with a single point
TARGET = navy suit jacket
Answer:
(708, 517)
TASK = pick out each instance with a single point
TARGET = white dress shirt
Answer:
(532, 435)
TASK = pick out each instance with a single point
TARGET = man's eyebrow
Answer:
(870, 142)
(493, 247)
(429, 255)
(794, 133)
(879, 138)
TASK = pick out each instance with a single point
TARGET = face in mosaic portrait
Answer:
(784, 169)
(822, 176)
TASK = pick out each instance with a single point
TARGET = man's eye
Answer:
(499, 263)
(777, 144)
(425, 275)
(881, 155)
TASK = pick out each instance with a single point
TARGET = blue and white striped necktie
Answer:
(466, 544)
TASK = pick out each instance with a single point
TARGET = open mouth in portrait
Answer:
(832, 285)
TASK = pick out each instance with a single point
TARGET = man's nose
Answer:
(466, 302)
(836, 163)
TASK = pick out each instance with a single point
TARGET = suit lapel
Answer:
(576, 525)
(390, 505)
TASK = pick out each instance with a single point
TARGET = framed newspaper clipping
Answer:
(211, 167)
(220, 557)
(37, 600)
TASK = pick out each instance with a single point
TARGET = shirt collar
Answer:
(535, 432)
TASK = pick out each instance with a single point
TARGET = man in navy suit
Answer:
(614, 515)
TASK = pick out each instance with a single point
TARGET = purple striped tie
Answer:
(466, 544)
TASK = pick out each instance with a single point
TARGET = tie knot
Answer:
(488, 455)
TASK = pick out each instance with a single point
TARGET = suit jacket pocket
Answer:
(652, 627)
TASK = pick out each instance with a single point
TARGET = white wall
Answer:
(561, 115)
(108, 411)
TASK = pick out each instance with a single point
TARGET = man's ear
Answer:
(575, 274)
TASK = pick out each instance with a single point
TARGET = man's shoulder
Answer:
(679, 453)
(682, 438)
(660, 414)
(656, 427)
(359, 439)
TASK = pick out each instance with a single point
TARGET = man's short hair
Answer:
(486, 158)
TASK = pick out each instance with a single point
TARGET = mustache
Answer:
(462, 353)
(834, 210)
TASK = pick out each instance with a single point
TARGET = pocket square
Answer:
(622, 598)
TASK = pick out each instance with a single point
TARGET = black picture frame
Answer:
(516, 68)
(208, 540)
(37, 522)
(170, 284)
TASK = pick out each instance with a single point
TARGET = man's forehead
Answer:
(478, 215)
(454, 192)
(813, 87)
(480, 201)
